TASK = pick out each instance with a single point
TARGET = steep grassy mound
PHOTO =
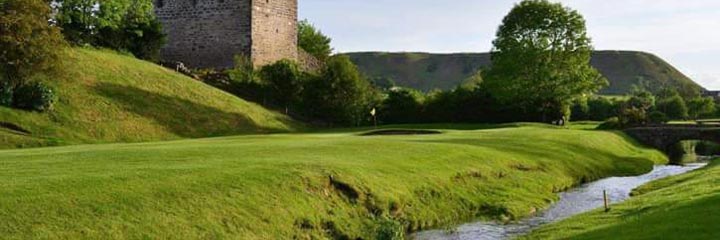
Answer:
(445, 71)
(106, 97)
(302, 186)
(681, 207)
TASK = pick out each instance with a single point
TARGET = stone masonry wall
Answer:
(274, 31)
(210, 33)
(205, 33)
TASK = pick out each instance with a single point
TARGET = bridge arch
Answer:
(664, 137)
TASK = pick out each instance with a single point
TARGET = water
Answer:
(575, 201)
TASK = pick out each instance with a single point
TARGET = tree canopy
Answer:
(313, 41)
(541, 59)
(340, 95)
(28, 43)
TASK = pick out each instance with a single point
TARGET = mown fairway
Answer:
(300, 185)
(681, 207)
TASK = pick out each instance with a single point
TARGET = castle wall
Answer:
(209, 33)
(274, 31)
(205, 33)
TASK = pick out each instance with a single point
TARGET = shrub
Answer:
(389, 229)
(286, 81)
(340, 95)
(34, 96)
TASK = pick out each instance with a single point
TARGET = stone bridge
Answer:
(663, 137)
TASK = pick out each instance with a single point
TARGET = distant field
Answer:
(683, 207)
(320, 185)
(425, 71)
(107, 97)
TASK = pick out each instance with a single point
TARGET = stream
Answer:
(572, 202)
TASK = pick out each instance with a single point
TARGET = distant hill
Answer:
(425, 71)
(107, 97)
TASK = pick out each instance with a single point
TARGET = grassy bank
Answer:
(681, 207)
(106, 97)
(299, 185)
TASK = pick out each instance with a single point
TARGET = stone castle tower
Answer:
(210, 33)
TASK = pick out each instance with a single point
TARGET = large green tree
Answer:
(340, 95)
(29, 44)
(313, 41)
(541, 59)
(700, 107)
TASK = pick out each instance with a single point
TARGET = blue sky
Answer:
(686, 33)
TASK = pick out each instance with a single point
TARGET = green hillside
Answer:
(426, 71)
(106, 97)
(301, 186)
(681, 207)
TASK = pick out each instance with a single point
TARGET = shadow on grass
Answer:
(180, 116)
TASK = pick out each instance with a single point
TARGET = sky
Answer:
(685, 33)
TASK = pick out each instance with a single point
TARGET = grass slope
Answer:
(106, 97)
(320, 185)
(682, 207)
(426, 71)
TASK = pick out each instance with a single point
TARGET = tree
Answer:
(285, 81)
(28, 43)
(313, 41)
(124, 25)
(77, 19)
(402, 106)
(674, 107)
(701, 106)
(635, 110)
(340, 95)
(541, 59)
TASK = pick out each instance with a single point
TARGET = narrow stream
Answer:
(575, 201)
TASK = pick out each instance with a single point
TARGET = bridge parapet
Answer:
(663, 137)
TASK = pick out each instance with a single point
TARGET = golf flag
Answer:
(372, 112)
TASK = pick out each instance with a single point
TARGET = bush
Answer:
(612, 123)
(340, 95)
(286, 81)
(34, 97)
(389, 229)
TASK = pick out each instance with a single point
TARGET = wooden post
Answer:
(607, 204)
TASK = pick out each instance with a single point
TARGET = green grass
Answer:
(106, 97)
(682, 207)
(425, 71)
(279, 186)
